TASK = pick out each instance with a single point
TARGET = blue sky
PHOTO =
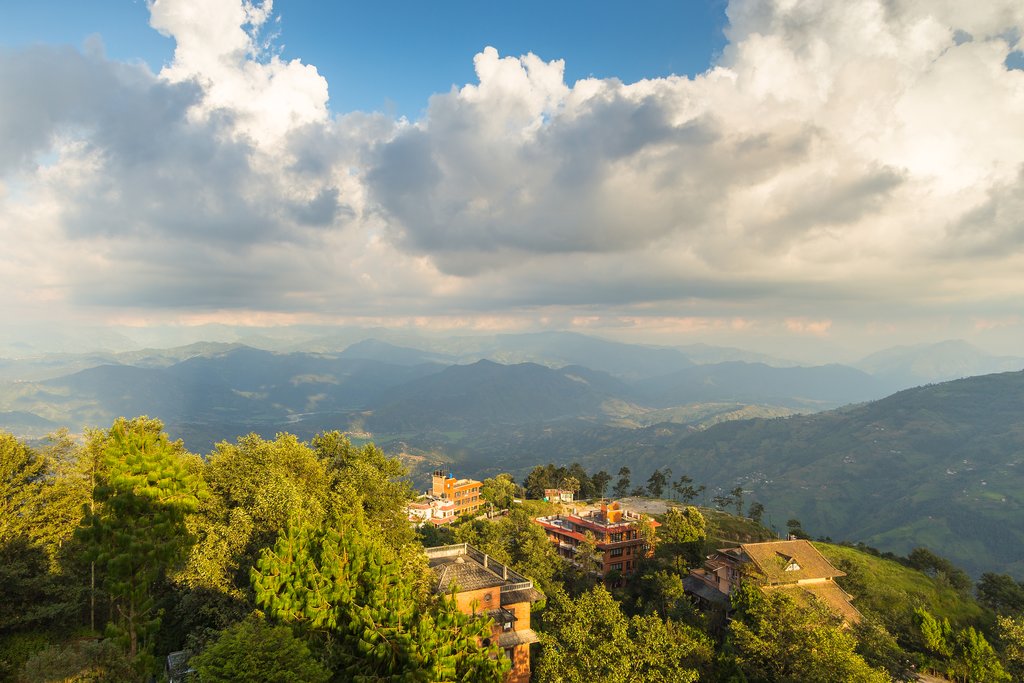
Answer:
(815, 179)
(391, 56)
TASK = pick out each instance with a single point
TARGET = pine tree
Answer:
(136, 534)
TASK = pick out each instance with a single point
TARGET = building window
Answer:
(616, 552)
(617, 567)
(616, 538)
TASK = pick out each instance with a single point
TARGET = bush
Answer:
(253, 650)
(91, 661)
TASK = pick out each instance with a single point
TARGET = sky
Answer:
(811, 178)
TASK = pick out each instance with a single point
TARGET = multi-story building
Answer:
(431, 510)
(616, 535)
(794, 567)
(487, 587)
(465, 493)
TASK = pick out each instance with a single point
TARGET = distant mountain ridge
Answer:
(906, 366)
(940, 465)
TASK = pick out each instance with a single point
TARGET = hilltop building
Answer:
(431, 510)
(558, 495)
(464, 493)
(485, 586)
(795, 568)
(618, 540)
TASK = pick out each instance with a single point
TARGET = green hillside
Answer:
(940, 466)
(889, 589)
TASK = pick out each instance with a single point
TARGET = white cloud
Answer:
(842, 162)
(218, 45)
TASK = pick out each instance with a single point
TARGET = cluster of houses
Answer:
(447, 500)
(618, 539)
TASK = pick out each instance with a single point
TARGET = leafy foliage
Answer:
(590, 639)
(773, 639)
(346, 590)
(499, 491)
(80, 662)
(253, 650)
(1011, 634)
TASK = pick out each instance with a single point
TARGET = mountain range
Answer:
(935, 465)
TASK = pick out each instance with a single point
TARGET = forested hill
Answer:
(940, 466)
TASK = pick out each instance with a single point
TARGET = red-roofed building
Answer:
(616, 535)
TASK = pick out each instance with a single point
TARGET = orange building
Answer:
(465, 493)
(487, 587)
(618, 540)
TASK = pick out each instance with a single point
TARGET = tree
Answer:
(756, 511)
(940, 568)
(656, 483)
(881, 650)
(585, 484)
(1011, 633)
(936, 635)
(644, 530)
(79, 662)
(975, 660)
(796, 530)
(35, 596)
(368, 478)
(1001, 593)
(737, 499)
(622, 485)
(681, 536)
(253, 650)
(667, 651)
(590, 639)
(137, 533)
(587, 640)
(774, 639)
(684, 487)
(344, 588)
(22, 475)
(499, 491)
(570, 484)
(257, 486)
(539, 478)
(600, 481)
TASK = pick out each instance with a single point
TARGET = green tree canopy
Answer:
(681, 537)
(346, 589)
(22, 476)
(772, 638)
(253, 650)
(590, 639)
(257, 486)
(137, 534)
(499, 491)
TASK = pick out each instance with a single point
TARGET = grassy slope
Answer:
(888, 588)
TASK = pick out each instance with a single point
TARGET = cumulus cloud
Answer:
(838, 159)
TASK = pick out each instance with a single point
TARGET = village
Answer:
(608, 540)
